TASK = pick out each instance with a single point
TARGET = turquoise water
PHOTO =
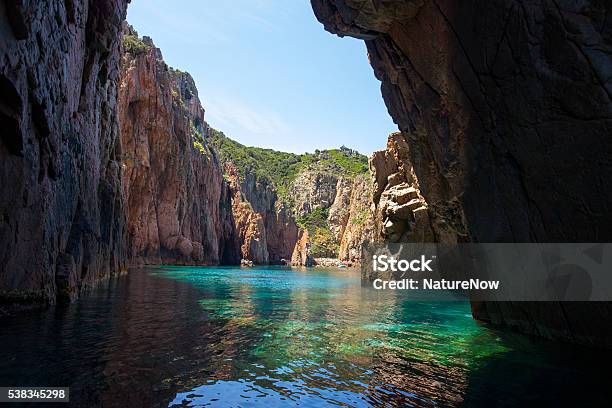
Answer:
(185, 336)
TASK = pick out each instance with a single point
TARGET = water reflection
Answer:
(246, 337)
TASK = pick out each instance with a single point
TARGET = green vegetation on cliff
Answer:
(133, 44)
(324, 243)
(281, 168)
(317, 218)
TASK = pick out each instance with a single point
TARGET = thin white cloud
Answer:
(189, 29)
(262, 22)
(235, 114)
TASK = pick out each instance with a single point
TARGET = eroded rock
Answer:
(61, 207)
(172, 180)
(302, 255)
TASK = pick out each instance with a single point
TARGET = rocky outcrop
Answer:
(339, 211)
(310, 190)
(506, 107)
(280, 229)
(61, 208)
(401, 212)
(302, 256)
(360, 226)
(250, 227)
(281, 232)
(179, 208)
(349, 220)
(313, 190)
(400, 207)
(251, 234)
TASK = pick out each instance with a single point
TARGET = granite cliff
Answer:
(178, 206)
(506, 107)
(279, 229)
(503, 107)
(314, 206)
(186, 206)
(106, 160)
(250, 227)
(61, 207)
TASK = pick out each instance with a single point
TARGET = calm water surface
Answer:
(185, 336)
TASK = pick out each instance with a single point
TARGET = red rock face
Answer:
(401, 213)
(301, 253)
(266, 228)
(61, 208)
(178, 205)
(506, 108)
(250, 227)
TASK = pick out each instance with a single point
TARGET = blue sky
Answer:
(268, 74)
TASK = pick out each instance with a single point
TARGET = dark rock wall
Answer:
(507, 108)
(62, 225)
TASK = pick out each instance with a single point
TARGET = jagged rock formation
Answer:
(280, 230)
(360, 225)
(61, 209)
(250, 227)
(401, 210)
(287, 190)
(400, 206)
(349, 218)
(177, 202)
(313, 190)
(339, 211)
(506, 107)
(302, 255)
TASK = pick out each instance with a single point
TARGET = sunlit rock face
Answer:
(250, 227)
(280, 231)
(506, 108)
(61, 208)
(313, 190)
(401, 213)
(302, 255)
(359, 227)
(177, 202)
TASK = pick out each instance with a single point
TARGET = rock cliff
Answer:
(250, 227)
(179, 208)
(302, 255)
(61, 208)
(291, 192)
(313, 190)
(281, 231)
(506, 107)
(360, 225)
(401, 212)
